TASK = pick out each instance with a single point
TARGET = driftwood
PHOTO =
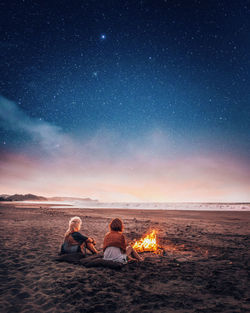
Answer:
(95, 260)
(100, 262)
(70, 257)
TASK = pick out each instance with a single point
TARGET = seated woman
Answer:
(76, 242)
(115, 247)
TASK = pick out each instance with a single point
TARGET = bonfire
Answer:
(148, 243)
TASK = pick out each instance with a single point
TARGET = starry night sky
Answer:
(126, 100)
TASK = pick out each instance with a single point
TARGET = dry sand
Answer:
(205, 268)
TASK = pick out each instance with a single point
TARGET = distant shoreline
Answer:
(167, 206)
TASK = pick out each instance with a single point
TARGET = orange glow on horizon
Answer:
(196, 179)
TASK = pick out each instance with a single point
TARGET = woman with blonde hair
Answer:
(115, 247)
(75, 241)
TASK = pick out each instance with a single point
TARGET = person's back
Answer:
(75, 241)
(114, 244)
(115, 239)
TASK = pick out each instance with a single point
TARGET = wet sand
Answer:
(205, 268)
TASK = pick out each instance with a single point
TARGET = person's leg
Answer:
(90, 246)
(132, 254)
(83, 248)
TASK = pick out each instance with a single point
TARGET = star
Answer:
(103, 37)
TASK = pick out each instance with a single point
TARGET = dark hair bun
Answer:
(116, 225)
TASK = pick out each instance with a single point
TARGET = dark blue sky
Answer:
(181, 67)
(184, 64)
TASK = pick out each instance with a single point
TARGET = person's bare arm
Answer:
(91, 240)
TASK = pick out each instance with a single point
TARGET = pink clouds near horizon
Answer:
(128, 178)
(156, 165)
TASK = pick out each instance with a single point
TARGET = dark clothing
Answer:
(79, 237)
(72, 243)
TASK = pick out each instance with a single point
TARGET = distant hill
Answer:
(17, 197)
(31, 197)
(69, 199)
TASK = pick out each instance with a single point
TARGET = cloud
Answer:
(47, 135)
(151, 166)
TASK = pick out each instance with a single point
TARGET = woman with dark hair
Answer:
(115, 247)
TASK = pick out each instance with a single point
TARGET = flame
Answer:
(147, 243)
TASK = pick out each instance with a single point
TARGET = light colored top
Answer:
(114, 254)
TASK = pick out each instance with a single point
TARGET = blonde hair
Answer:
(74, 225)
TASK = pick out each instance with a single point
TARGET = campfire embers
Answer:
(148, 243)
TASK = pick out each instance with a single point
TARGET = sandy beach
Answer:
(205, 268)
